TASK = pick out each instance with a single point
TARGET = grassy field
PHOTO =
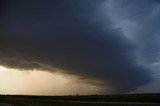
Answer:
(92, 100)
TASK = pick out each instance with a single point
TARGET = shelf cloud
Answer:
(80, 38)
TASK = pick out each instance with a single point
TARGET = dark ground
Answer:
(89, 100)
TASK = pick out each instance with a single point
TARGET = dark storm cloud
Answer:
(140, 19)
(140, 22)
(68, 35)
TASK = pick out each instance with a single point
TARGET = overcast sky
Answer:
(111, 45)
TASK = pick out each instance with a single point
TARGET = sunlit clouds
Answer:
(13, 81)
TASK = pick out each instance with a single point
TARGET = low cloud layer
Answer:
(70, 35)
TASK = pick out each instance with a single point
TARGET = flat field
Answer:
(87, 100)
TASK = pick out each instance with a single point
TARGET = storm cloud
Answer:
(70, 35)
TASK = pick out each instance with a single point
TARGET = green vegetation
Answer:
(19, 100)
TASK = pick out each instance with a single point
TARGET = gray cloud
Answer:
(139, 21)
(69, 35)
